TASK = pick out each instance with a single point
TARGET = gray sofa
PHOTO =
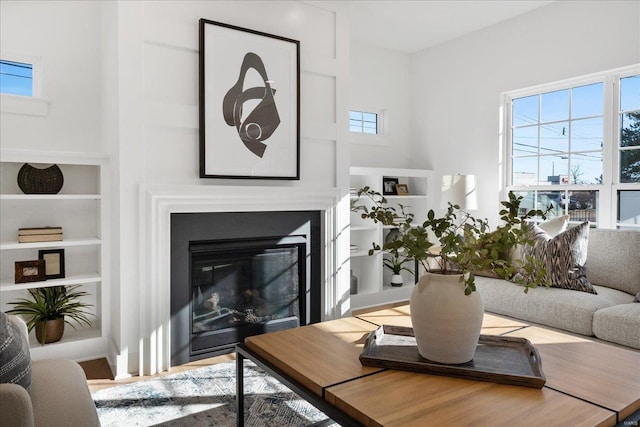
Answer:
(58, 396)
(613, 267)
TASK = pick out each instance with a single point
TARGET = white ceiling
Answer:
(410, 26)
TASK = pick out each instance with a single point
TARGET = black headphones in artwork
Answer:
(264, 119)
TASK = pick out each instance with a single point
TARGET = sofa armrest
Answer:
(15, 406)
(60, 394)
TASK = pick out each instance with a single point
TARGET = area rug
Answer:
(204, 397)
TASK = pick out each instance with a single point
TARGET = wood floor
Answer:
(99, 373)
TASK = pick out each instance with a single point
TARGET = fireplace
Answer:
(239, 274)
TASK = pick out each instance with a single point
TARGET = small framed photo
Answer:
(402, 189)
(389, 186)
(54, 262)
(30, 271)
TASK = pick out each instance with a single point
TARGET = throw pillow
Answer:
(637, 297)
(15, 360)
(553, 227)
(563, 256)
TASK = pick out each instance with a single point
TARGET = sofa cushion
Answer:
(614, 259)
(563, 256)
(618, 324)
(15, 359)
(559, 308)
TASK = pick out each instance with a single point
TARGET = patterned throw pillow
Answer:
(15, 360)
(553, 227)
(564, 256)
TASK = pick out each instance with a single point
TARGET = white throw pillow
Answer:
(555, 226)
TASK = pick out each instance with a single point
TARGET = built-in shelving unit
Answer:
(80, 208)
(373, 279)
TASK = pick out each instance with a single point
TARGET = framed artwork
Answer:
(54, 262)
(389, 186)
(402, 189)
(29, 271)
(249, 103)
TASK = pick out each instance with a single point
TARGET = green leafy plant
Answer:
(466, 244)
(395, 262)
(52, 303)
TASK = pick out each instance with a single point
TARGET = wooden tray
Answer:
(499, 359)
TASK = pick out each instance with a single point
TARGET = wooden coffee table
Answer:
(588, 383)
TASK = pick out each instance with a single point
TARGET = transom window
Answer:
(575, 146)
(363, 122)
(16, 78)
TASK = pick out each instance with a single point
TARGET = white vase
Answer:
(446, 322)
(396, 280)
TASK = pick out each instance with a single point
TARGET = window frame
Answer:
(378, 139)
(363, 121)
(607, 213)
(36, 71)
(34, 105)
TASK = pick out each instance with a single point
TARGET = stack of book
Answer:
(39, 234)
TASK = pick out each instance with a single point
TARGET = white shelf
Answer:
(82, 210)
(363, 227)
(407, 196)
(359, 254)
(67, 157)
(371, 274)
(75, 344)
(78, 279)
(50, 197)
(92, 241)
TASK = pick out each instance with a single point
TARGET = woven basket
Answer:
(32, 180)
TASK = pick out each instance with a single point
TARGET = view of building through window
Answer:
(562, 153)
(16, 78)
(363, 122)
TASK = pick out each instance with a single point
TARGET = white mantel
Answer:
(157, 203)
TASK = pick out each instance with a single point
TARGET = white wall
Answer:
(457, 85)
(380, 80)
(62, 36)
(157, 60)
(122, 78)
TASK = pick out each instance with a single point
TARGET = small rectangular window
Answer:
(16, 78)
(363, 122)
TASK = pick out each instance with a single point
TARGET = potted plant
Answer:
(395, 262)
(50, 308)
(446, 312)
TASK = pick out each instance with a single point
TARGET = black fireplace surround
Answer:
(237, 274)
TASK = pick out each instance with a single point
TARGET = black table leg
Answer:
(319, 402)
(239, 390)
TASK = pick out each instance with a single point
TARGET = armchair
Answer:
(59, 394)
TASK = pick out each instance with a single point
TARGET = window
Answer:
(630, 129)
(363, 122)
(16, 78)
(575, 145)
